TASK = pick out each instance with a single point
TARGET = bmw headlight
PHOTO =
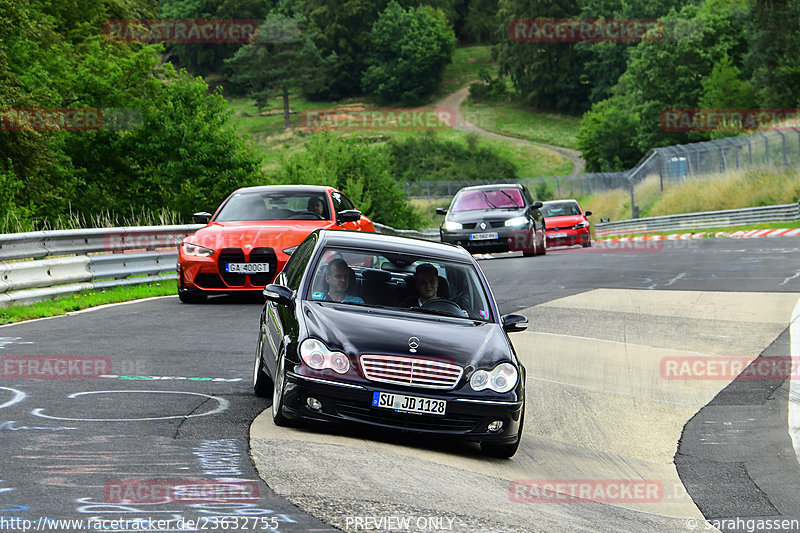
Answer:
(316, 355)
(516, 221)
(449, 225)
(196, 250)
(501, 378)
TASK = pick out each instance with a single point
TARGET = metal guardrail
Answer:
(709, 219)
(45, 264)
(429, 234)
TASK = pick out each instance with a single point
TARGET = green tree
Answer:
(281, 58)
(773, 33)
(605, 137)
(409, 49)
(209, 58)
(545, 75)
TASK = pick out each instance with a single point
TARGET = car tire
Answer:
(535, 246)
(542, 250)
(587, 244)
(504, 451)
(262, 383)
(277, 394)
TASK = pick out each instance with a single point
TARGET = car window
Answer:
(284, 205)
(505, 198)
(297, 263)
(388, 280)
(560, 209)
(341, 202)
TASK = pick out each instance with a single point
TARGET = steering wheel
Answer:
(443, 305)
(305, 216)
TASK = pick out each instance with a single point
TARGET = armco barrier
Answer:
(45, 264)
(709, 219)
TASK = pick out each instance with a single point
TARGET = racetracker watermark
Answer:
(180, 31)
(556, 30)
(122, 241)
(586, 491)
(731, 120)
(173, 491)
(54, 366)
(400, 523)
(413, 119)
(69, 119)
(729, 368)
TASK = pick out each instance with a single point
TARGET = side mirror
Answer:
(441, 211)
(279, 294)
(587, 213)
(348, 215)
(201, 218)
(537, 205)
(512, 323)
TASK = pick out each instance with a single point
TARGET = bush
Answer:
(359, 170)
(426, 158)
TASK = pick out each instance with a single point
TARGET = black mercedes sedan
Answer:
(390, 332)
(495, 218)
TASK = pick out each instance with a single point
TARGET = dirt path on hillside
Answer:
(454, 101)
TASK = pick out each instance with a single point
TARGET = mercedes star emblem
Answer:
(413, 344)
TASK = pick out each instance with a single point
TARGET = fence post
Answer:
(783, 145)
(766, 148)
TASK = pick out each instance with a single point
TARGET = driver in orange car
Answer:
(315, 205)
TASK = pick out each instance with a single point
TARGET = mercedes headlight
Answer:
(501, 378)
(316, 355)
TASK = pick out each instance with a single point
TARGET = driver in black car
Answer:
(426, 282)
(315, 205)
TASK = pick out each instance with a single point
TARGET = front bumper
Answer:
(464, 418)
(207, 273)
(509, 239)
(568, 237)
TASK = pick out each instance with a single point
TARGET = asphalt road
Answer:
(176, 406)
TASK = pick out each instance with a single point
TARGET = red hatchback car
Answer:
(253, 233)
(566, 223)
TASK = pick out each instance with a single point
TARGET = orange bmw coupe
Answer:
(253, 233)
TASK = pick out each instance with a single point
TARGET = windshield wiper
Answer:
(436, 312)
(514, 202)
(489, 201)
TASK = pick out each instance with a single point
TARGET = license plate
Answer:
(482, 236)
(247, 268)
(408, 404)
(557, 235)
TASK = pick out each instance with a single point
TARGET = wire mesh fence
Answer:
(773, 149)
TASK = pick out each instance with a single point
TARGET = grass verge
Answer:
(85, 300)
(517, 120)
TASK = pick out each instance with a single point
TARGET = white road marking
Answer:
(790, 278)
(676, 278)
(794, 386)
(18, 397)
(223, 405)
